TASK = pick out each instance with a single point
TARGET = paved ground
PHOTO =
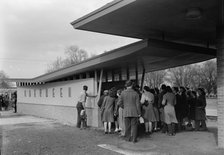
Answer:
(28, 135)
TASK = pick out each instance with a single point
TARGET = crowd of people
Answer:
(6, 102)
(167, 109)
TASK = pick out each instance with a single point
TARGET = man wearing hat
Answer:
(129, 99)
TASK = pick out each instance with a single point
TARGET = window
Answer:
(34, 92)
(53, 92)
(69, 92)
(40, 92)
(25, 93)
(29, 93)
(46, 92)
(61, 93)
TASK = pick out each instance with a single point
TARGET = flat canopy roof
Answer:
(188, 21)
(149, 54)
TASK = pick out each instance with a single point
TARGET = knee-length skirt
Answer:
(148, 113)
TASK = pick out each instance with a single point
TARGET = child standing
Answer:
(83, 117)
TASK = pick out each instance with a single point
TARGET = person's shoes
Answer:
(121, 136)
(135, 141)
(128, 139)
(148, 134)
(203, 129)
(105, 132)
(196, 129)
(116, 130)
(163, 131)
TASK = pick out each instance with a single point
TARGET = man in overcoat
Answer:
(132, 111)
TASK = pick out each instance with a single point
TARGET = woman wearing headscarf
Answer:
(200, 115)
(108, 107)
(148, 114)
(169, 100)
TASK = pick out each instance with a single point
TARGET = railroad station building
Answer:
(173, 33)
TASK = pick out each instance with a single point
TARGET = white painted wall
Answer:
(61, 95)
(59, 106)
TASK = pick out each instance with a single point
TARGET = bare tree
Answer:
(73, 55)
(57, 64)
(195, 75)
(3, 82)
(208, 74)
(177, 76)
(155, 79)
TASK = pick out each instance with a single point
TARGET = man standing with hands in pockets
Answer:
(132, 111)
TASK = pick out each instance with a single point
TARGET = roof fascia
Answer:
(110, 7)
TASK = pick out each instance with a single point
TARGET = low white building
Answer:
(55, 95)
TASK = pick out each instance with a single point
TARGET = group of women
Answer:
(168, 109)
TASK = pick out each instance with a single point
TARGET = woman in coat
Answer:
(169, 100)
(108, 107)
(155, 107)
(148, 114)
(192, 99)
(200, 115)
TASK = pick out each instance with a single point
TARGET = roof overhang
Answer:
(188, 21)
(148, 54)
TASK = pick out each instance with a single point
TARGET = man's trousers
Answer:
(131, 126)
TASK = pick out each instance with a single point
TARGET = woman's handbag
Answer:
(141, 120)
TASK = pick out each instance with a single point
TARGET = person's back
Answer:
(130, 100)
(131, 103)
(100, 102)
(170, 98)
(109, 102)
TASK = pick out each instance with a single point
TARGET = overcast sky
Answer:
(33, 33)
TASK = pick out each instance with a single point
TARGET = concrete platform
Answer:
(11, 118)
(22, 134)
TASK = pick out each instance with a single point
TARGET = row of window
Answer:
(46, 92)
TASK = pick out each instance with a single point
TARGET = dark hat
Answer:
(129, 83)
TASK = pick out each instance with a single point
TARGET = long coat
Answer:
(192, 106)
(200, 108)
(108, 106)
(170, 116)
(148, 111)
(130, 101)
(184, 106)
